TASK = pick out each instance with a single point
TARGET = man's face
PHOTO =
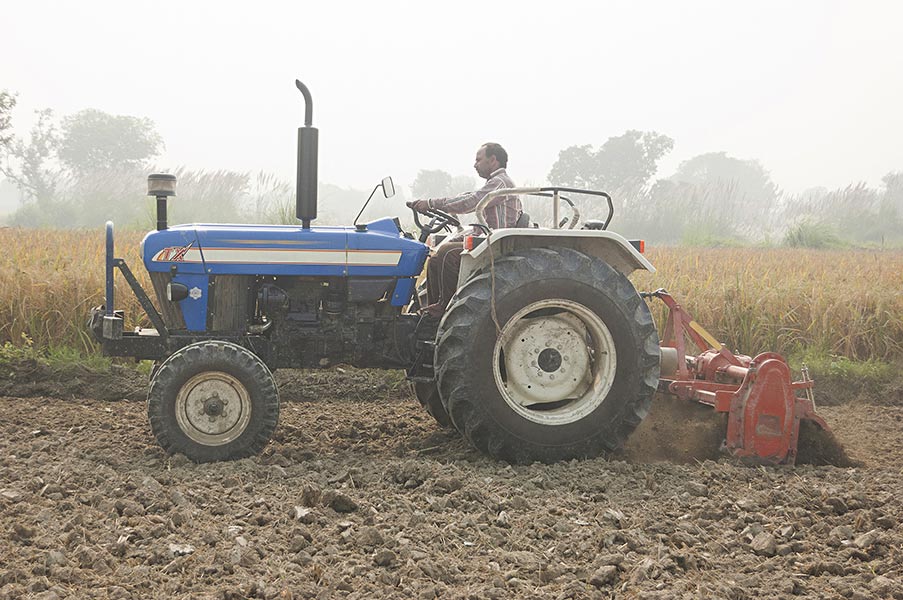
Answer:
(485, 165)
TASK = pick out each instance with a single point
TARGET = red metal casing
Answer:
(758, 394)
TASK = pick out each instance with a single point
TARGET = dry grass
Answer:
(50, 279)
(843, 302)
(848, 303)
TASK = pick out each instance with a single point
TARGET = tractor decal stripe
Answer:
(267, 242)
(373, 258)
(367, 258)
(274, 256)
(183, 254)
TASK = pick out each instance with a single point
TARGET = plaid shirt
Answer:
(502, 211)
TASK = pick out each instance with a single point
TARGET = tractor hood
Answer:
(214, 249)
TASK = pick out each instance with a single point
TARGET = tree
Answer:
(30, 164)
(93, 140)
(893, 182)
(71, 175)
(7, 104)
(679, 212)
(462, 183)
(893, 193)
(622, 164)
(735, 196)
(749, 176)
(439, 184)
(432, 184)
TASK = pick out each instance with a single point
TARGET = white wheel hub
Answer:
(213, 408)
(555, 361)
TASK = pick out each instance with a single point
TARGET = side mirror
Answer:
(388, 191)
(388, 187)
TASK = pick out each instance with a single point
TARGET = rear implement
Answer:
(758, 395)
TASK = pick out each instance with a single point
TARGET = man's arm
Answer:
(466, 203)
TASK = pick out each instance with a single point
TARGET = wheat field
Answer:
(843, 302)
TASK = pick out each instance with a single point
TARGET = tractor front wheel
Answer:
(213, 401)
(566, 370)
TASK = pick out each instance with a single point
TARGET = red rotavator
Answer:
(758, 395)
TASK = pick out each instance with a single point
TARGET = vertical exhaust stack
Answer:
(307, 163)
(161, 186)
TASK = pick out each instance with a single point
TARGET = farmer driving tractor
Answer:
(504, 211)
(548, 352)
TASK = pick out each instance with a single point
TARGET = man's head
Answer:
(490, 157)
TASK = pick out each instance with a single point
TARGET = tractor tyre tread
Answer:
(466, 325)
(428, 396)
(215, 355)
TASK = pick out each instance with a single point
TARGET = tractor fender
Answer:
(614, 249)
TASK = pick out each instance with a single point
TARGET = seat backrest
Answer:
(523, 221)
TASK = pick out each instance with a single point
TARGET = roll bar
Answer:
(553, 192)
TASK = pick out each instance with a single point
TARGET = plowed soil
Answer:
(362, 495)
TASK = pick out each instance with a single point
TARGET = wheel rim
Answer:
(213, 408)
(554, 362)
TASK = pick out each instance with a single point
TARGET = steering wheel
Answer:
(439, 220)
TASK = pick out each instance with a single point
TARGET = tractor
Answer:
(546, 352)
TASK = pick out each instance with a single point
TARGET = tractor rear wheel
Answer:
(212, 401)
(428, 395)
(153, 372)
(568, 373)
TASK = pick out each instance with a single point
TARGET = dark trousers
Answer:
(442, 273)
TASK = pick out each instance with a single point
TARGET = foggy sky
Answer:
(813, 89)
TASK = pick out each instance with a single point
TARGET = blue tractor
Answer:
(546, 352)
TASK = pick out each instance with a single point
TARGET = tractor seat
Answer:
(523, 221)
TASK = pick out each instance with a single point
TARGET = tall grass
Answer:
(843, 302)
(50, 279)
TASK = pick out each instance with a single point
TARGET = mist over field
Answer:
(273, 413)
(708, 123)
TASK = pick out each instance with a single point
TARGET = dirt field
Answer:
(362, 496)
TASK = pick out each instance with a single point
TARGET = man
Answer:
(503, 211)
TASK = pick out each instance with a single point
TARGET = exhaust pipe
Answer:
(306, 197)
(161, 186)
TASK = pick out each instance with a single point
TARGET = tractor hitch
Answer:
(757, 394)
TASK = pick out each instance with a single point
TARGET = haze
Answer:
(813, 90)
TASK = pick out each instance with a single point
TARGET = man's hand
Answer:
(421, 206)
